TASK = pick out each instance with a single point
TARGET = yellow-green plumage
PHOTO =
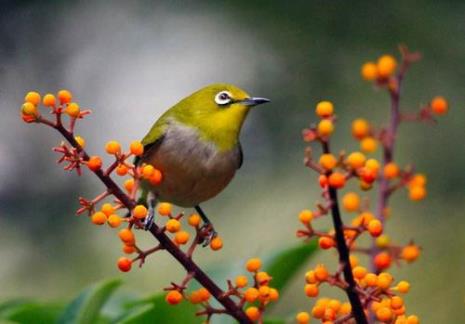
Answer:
(195, 144)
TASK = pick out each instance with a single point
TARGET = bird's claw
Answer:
(208, 233)
(149, 219)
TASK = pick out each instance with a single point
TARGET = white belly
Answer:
(193, 170)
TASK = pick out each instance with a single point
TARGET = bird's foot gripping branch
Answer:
(372, 292)
(117, 207)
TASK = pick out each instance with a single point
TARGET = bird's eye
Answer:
(223, 98)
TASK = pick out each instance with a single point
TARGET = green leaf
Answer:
(284, 264)
(274, 320)
(155, 310)
(85, 309)
(32, 313)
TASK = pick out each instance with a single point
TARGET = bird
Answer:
(195, 144)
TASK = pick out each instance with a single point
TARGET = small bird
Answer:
(195, 144)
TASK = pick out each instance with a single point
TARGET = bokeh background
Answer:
(130, 60)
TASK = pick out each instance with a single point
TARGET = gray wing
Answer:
(149, 149)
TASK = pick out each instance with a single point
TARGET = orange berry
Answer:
(114, 220)
(351, 202)
(328, 161)
(353, 261)
(369, 71)
(417, 193)
(73, 110)
(81, 141)
(194, 220)
(29, 109)
(113, 147)
(367, 175)
(323, 180)
(310, 277)
(305, 216)
(94, 163)
(396, 302)
(127, 236)
(302, 318)
(413, 319)
(359, 272)
(345, 309)
(181, 237)
(216, 243)
(32, 97)
(99, 218)
(136, 148)
(195, 297)
(174, 297)
(318, 311)
(204, 294)
(107, 209)
(263, 292)
(337, 180)
(418, 180)
(356, 160)
(371, 279)
(368, 144)
(324, 109)
(410, 253)
(326, 242)
(49, 100)
(251, 294)
(253, 264)
(384, 314)
(360, 128)
(391, 170)
(373, 165)
(139, 212)
(384, 280)
(252, 313)
(129, 185)
(403, 287)
(173, 225)
(128, 249)
(382, 260)
(386, 65)
(375, 227)
(334, 304)
(321, 274)
(382, 241)
(64, 96)
(311, 290)
(156, 177)
(241, 281)
(274, 294)
(439, 105)
(164, 209)
(124, 264)
(122, 170)
(147, 171)
(325, 127)
(262, 278)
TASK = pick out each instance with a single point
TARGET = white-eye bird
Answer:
(195, 144)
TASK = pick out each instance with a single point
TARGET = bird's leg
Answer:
(207, 228)
(152, 202)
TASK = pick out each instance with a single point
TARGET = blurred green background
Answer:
(129, 61)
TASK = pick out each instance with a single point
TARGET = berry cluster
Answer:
(372, 292)
(117, 207)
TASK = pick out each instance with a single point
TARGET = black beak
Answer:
(254, 101)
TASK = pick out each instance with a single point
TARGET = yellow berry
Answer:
(29, 109)
(382, 241)
(359, 272)
(373, 165)
(310, 277)
(73, 110)
(33, 97)
(375, 227)
(325, 127)
(173, 225)
(384, 280)
(136, 148)
(81, 141)
(403, 287)
(147, 171)
(305, 216)
(324, 109)
(386, 66)
(351, 202)
(356, 160)
(253, 264)
(241, 281)
(113, 147)
(64, 96)
(164, 209)
(328, 161)
(108, 209)
(114, 220)
(371, 279)
(369, 71)
(360, 128)
(302, 318)
(252, 313)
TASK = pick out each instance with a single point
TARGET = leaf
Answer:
(32, 313)
(85, 309)
(274, 320)
(284, 264)
(155, 310)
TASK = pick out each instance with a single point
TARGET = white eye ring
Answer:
(223, 98)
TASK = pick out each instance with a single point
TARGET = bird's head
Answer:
(218, 112)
